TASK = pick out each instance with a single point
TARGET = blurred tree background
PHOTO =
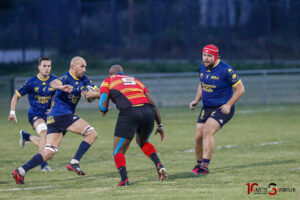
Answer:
(148, 35)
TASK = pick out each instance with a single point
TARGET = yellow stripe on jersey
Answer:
(105, 84)
(131, 90)
(135, 96)
(236, 83)
(59, 81)
(137, 105)
(114, 83)
(140, 84)
(18, 94)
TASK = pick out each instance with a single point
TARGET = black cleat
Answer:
(75, 168)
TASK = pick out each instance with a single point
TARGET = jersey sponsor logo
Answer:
(73, 99)
(36, 89)
(207, 87)
(42, 99)
(214, 77)
(43, 83)
(51, 89)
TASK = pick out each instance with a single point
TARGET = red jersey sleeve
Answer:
(104, 88)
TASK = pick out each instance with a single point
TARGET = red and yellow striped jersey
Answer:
(124, 91)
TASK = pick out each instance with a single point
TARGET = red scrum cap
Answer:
(211, 49)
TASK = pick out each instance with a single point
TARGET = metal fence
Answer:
(179, 89)
(149, 29)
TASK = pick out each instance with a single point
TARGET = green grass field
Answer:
(261, 144)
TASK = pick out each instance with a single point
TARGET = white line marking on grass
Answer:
(297, 168)
(227, 146)
(269, 143)
(230, 146)
(29, 188)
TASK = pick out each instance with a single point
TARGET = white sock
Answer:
(21, 171)
(74, 161)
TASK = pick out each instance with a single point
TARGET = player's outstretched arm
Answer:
(159, 128)
(57, 85)
(197, 98)
(12, 115)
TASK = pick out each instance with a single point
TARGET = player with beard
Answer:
(217, 82)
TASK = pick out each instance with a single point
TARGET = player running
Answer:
(217, 79)
(62, 119)
(137, 114)
(40, 96)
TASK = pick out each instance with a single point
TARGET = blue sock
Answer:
(35, 161)
(25, 136)
(44, 164)
(205, 163)
(82, 149)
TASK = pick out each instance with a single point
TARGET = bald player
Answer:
(62, 119)
(136, 117)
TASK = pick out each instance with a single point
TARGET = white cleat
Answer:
(22, 141)
(47, 168)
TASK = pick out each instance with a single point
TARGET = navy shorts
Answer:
(133, 120)
(33, 119)
(215, 113)
(59, 124)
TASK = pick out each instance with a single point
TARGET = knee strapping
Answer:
(51, 148)
(41, 127)
(87, 130)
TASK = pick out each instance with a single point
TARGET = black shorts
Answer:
(215, 113)
(59, 124)
(133, 120)
(33, 119)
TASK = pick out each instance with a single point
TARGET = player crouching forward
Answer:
(137, 114)
(62, 119)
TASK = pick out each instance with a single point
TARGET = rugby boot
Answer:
(46, 168)
(75, 168)
(124, 183)
(18, 177)
(196, 168)
(22, 141)
(162, 172)
(201, 171)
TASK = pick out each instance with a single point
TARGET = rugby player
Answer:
(217, 82)
(40, 96)
(137, 115)
(62, 119)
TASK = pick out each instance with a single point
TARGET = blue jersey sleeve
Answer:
(63, 79)
(87, 82)
(232, 77)
(25, 89)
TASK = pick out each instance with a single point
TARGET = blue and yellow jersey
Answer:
(40, 95)
(64, 102)
(217, 83)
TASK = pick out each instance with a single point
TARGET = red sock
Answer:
(120, 160)
(148, 149)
